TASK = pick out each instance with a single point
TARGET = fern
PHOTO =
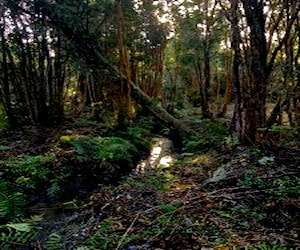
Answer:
(53, 190)
(114, 149)
(140, 138)
(54, 242)
(28, 172)
(267, 247)
(29, 164)
(12, 203)
(21, 233)
(117, 149)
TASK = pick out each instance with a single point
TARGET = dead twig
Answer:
(127, 231)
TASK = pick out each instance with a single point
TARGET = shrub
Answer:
(34, 176)
(196, 144)
(96, 148)
(214, 138)
(139, 137)
(30, 171)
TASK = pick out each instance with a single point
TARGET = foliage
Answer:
(35, 174)
(4, 124)
(101, 239)
(19, 233)
(138, 136)
(284, 134)
(264, 246)
(46, 175)
(215, 136)
(231, 141)
(3, 148)
(144, 121)
(252, 180)
(217, 128)
(85, 123)
(107, 237)
(112, 149)
(30, 177)
(154, 181)
(54, 242)
(12, 201)
(285, 186)
(30, 170)
(197, 144)
(169, 207)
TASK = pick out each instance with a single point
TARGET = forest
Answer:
(149, 125)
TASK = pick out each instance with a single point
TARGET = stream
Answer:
(69, 221)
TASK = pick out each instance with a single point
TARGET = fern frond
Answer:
(17, 234)
(54, 242)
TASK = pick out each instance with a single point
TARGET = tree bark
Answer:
(5, 89)
(237, 121)
(123, 101)
(254, 104)
(146, 102)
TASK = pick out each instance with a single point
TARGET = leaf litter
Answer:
(239, 198)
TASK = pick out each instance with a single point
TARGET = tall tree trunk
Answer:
(123, 95)
(296, 101)
(254, 103)
(5, 89)
(205, 83)
(237, 121)
(228, 91)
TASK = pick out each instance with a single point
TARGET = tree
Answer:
(32, 78)
(90, 50)
(255, 58)
(254, 95)
(198, 35)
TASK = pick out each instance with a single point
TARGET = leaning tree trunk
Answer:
(90, 50)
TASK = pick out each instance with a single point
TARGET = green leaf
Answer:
(22, 227)
(223, 214)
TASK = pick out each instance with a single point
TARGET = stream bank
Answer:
(214, 195)
(72, 221)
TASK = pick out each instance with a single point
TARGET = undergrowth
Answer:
(55, 175)
(166, 207)
(19, 233)
(113, 149)
(157, 222)
(215, 138)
